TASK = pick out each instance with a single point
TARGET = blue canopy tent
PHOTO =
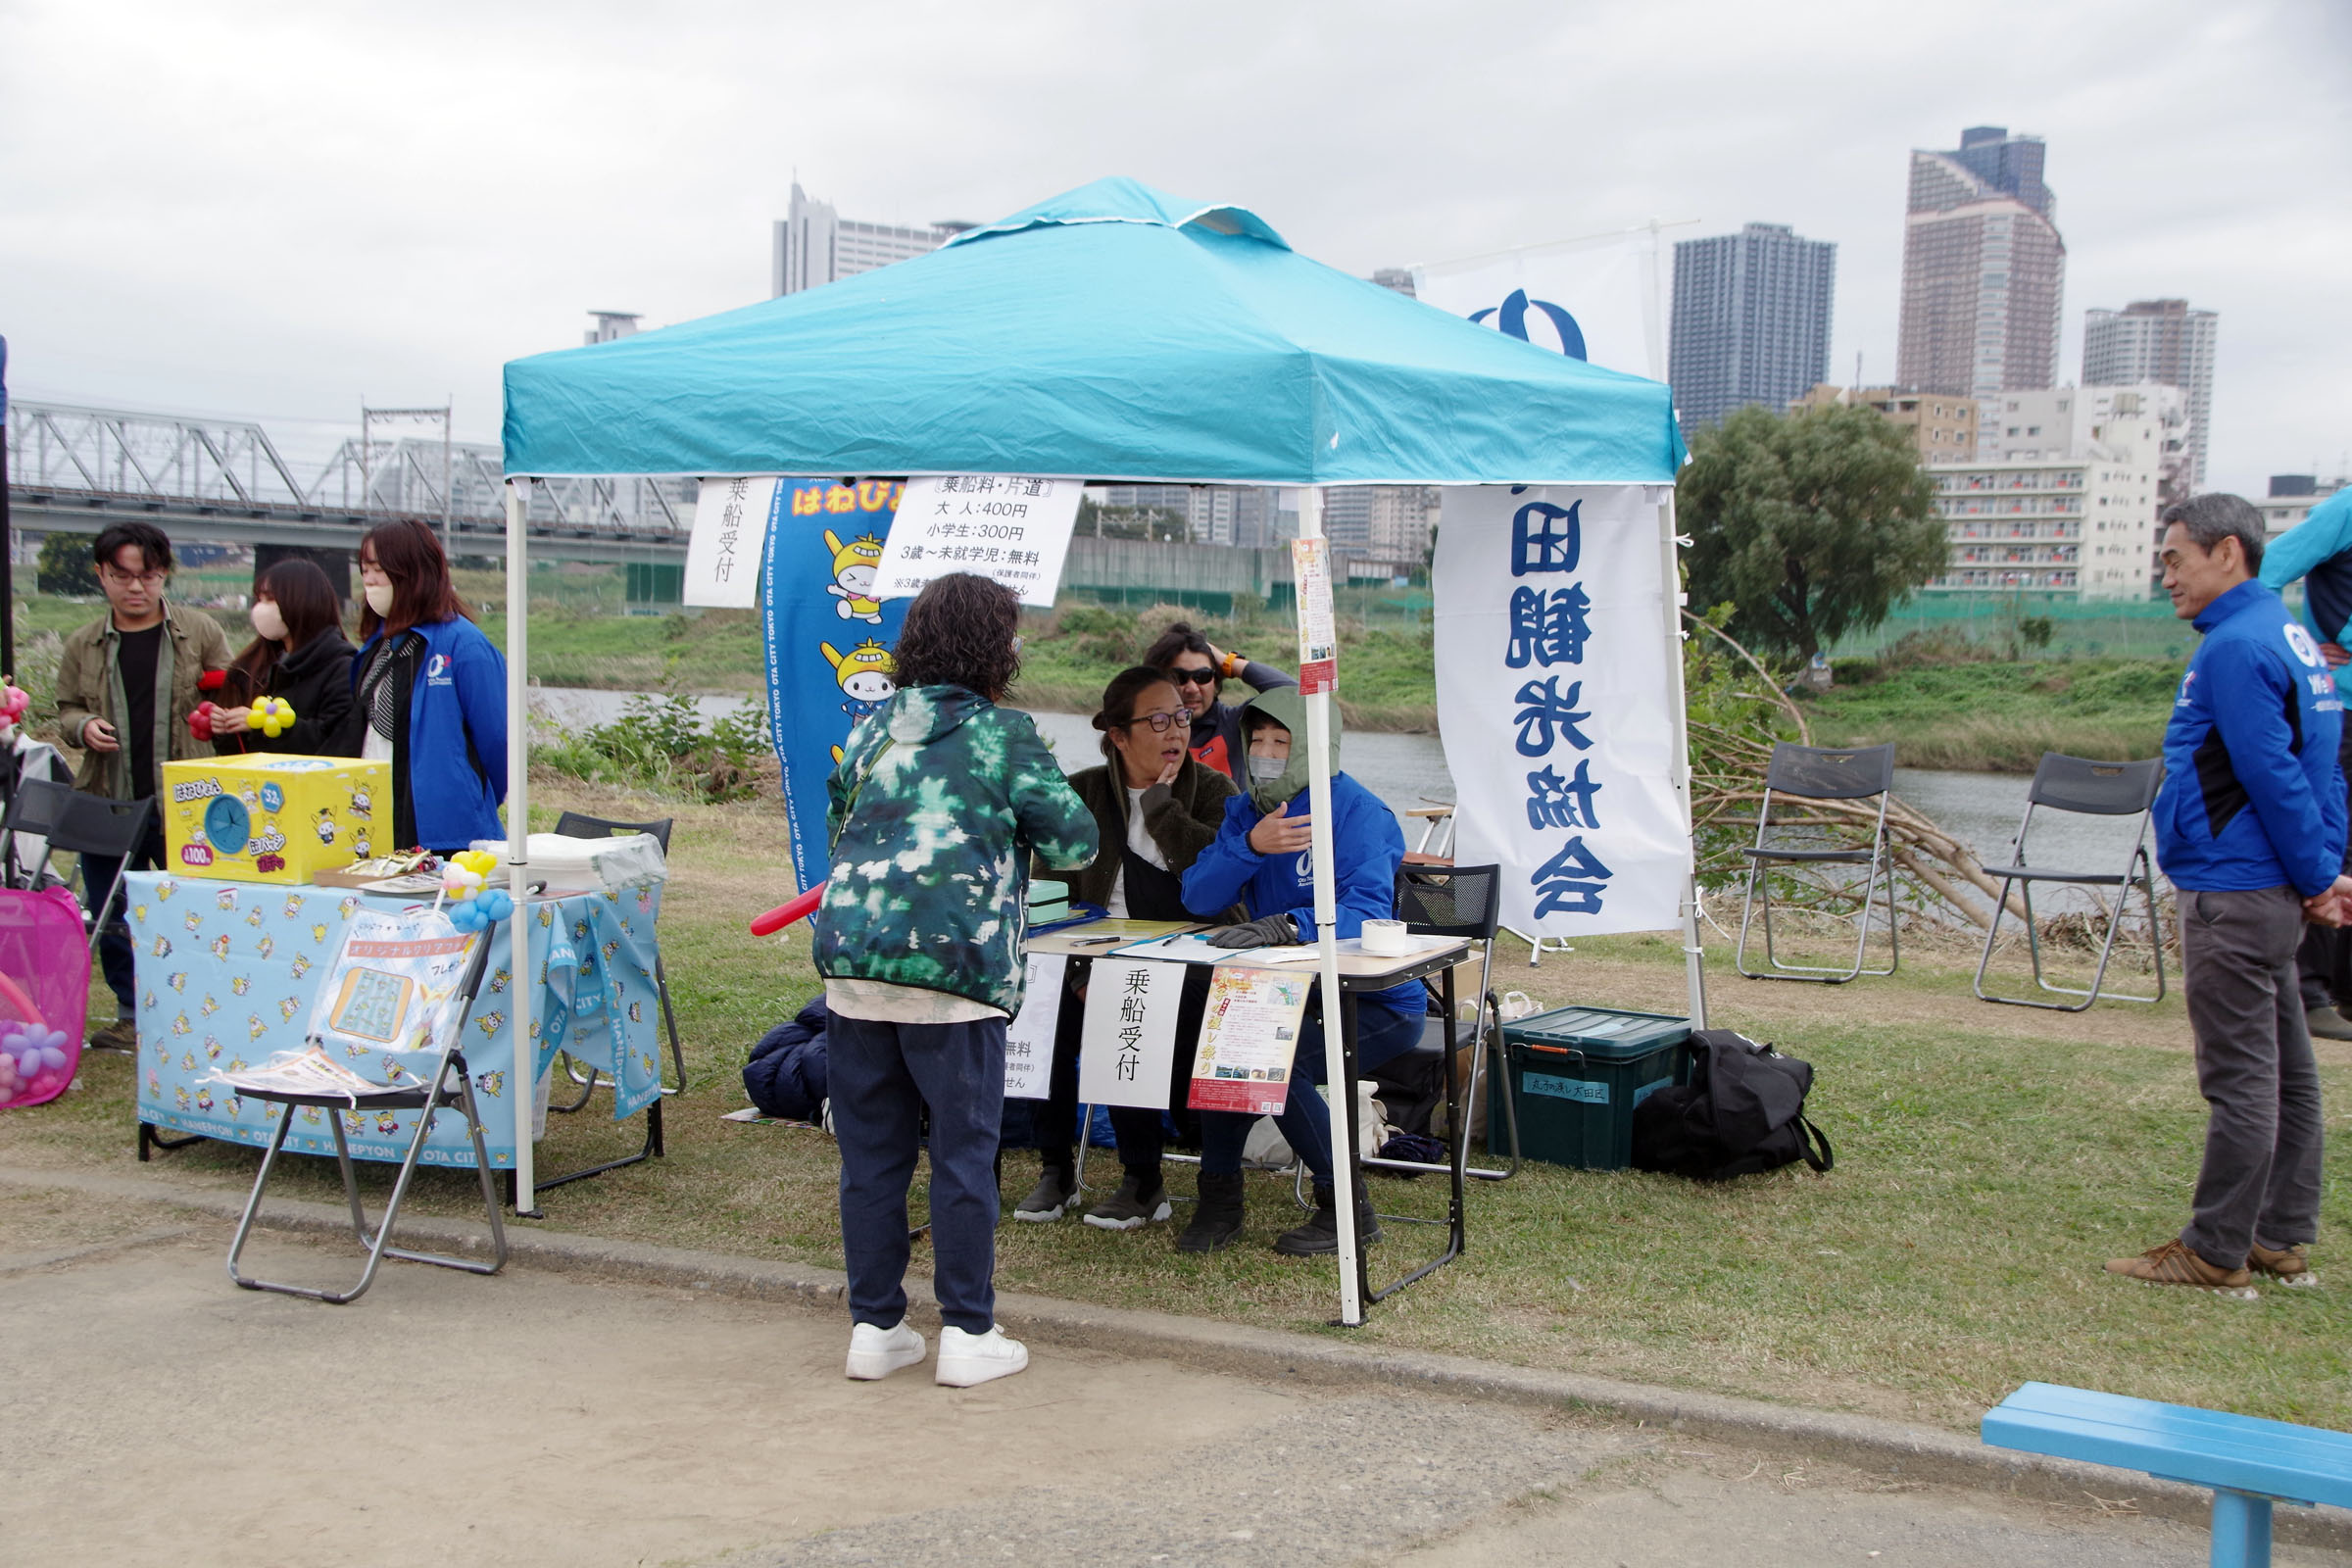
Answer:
(1114, 332)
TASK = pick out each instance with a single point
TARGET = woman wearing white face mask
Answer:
(429, 695)
(298, 654)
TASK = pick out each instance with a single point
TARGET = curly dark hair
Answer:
(960, 631)
(1118, 700)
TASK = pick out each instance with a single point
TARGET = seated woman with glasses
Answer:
(1198, 668)
(1156, 809)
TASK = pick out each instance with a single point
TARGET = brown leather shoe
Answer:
(2174, 1263)
(2288, 1266)
(121, 1035)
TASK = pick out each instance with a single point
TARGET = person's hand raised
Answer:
(1277, 834)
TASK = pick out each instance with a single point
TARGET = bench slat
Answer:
(2207, 1447)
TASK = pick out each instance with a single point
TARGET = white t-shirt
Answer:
(1138, 839)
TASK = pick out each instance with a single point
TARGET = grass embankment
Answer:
(2000, 715)
(1988, 1159)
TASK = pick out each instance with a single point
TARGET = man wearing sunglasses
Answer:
(124, 684)
(1199, 668)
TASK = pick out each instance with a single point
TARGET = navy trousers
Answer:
(881, 1076)
(1381, 1033)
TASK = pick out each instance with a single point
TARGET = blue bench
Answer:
(2248, 1462)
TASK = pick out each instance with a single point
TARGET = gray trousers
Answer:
(2261, 1176)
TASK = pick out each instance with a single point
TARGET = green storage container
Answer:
(1578, 1074)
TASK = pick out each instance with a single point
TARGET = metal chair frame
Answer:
(440, 1095)
(1871, 772)
(79, 825)
(2132, 788)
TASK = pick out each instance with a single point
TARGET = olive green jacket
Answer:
(89, 685)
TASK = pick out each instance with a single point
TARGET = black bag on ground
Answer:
(1742, 1112)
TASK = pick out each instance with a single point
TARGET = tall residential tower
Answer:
(2162, 342)
(1983, 269)
(815, 245)
(1751, 321)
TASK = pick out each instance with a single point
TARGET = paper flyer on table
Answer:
(1249, 1037)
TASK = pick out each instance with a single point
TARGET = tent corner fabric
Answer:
(1111, 332)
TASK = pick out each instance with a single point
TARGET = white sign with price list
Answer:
(1029, 1038)
(1012, 527)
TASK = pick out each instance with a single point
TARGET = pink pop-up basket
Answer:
(44, 994)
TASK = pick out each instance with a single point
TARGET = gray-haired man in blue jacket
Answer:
(2250, 829)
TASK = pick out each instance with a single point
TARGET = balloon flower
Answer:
(274, 716)
(33, 1059)
(14, 700)
(473, 904)
(200, 721)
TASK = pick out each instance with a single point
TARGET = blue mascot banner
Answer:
(829, 639)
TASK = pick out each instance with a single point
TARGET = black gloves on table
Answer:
(1267, 931)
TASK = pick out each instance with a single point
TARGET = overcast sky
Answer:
(275, 210)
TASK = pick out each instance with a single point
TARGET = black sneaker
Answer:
(1050, 1197)
(1320, 1235)
(1131, 1208)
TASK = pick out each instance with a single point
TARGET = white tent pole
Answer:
(1672, 599)
(524, 1082)
(1326, 912)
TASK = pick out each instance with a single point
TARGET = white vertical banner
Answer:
(722, 553)
(1010, 527)
(1604, 299)
(1126, 1054)
(1029, 1038)
(1557, 705)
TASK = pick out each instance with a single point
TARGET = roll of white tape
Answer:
(1385, 939)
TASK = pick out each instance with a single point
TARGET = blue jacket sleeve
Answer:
(1264, 678)
(2327, 531)
(2253, 727)
(1214, 881)
(1366, 848)
(480, 672)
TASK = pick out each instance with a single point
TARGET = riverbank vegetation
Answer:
(1995, 714)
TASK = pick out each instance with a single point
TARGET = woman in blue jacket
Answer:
(1262, 860)
(430, 694)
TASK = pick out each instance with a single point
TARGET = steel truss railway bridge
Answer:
(74, 469)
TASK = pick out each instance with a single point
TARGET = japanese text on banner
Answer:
(1249, 1037)
(1550, 643)
(723, 554)
(1319, 634)
(1029, 1038)
(1012, 527)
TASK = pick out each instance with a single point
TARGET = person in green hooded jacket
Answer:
(1261, 858)
(939, 801)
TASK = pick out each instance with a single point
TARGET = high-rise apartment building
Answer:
(1983, 269)
(2162, 342)
(1751, 321)
(814, 245)
(1942, 428)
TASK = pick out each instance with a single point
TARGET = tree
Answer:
(65, 566)
(1814, 526)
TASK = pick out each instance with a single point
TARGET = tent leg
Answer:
(524, 1076)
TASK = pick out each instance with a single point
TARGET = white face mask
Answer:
(268, 622)
(1268, 768)
(379, 597)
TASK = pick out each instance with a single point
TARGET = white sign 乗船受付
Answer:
(1130, 1040)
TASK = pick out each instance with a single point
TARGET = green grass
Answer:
(1988, 1159)
(2000, 714)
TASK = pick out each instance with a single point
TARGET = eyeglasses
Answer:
(1161, 722)
(148, 579)
(1203, 676)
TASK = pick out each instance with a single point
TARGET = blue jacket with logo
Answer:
(2253, 795)
(2319, 552)
(1367, 849)
(457, 706)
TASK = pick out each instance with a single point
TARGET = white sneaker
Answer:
(877, 1352)
(966, 1359)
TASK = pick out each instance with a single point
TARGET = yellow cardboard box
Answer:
(274, 817)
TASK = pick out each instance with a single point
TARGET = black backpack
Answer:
(1742, 1112)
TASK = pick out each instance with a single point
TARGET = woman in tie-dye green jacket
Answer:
(939, 801)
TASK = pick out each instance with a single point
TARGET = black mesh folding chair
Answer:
(1821, 773)
(579, 825)
(451, 1089)
(79, 824)
(2080, 785)
(1462, 901)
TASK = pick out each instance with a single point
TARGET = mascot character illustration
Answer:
(866, 675)
(856, 566)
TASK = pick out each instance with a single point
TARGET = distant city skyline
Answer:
(2157, 340)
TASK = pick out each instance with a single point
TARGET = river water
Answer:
(1409, 771)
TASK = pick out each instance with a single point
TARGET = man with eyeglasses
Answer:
(124, 682)
(1198, 669)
